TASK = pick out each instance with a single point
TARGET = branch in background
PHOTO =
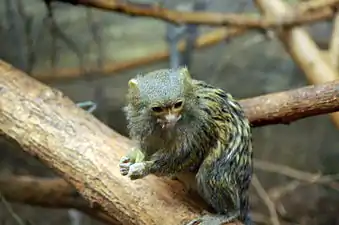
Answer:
(28, 47)
(13, 24)
(334, 43)
(174, 34)
(288, 106)
(328, 180)
(208, 18)
(48, 193)
(276, 193)
(192, 33)
(75, 144)
(300, 178)
(203, 41)
(301, 47)
(11, 211)
(317, 4)
(266, 199)
(58, 34)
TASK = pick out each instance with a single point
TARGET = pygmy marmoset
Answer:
(184, 125)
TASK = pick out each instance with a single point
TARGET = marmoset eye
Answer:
(156, 109)
(178, 104)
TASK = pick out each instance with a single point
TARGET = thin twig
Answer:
(285, 170)
(328, 180)
(276, 193)
(266, 199)
(27, 21)
(57, 33)
(11, 211)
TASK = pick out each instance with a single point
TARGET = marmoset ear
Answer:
(133, 83)
(186, 77)
(133, 95)
(184, 71)
(133, 86)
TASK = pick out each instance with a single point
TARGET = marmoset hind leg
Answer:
(221, 192)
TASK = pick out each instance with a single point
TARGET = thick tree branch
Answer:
(50, 193)
(288, 106)
(57, 193)
(85, 152)
(303, 14)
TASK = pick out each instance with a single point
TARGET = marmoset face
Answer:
(169, 114)
(163, 95)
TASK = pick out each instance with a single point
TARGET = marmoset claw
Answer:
(124, 165)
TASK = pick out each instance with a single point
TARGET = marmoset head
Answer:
(162, 95)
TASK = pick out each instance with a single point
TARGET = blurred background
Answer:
(90, 54)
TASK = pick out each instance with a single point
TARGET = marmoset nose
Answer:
(172, 118)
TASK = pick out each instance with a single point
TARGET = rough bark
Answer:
(288, 106)
(85, 152)
(57, 193)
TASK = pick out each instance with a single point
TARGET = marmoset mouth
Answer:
(169, 122)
